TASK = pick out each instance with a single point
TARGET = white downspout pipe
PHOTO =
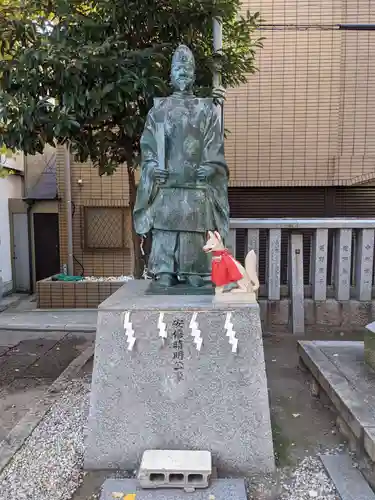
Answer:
(68, 201)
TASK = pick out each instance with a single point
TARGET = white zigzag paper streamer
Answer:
(231, 334)
(162, 327)
(129, 332)
(195, 332)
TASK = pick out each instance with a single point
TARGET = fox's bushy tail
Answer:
(251, 269)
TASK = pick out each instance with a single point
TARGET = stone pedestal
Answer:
(369, 345)
(166, 394)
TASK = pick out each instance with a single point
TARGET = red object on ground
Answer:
(224, 268)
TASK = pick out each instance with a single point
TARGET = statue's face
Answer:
(183, 76)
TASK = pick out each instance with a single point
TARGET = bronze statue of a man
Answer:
(183, 189)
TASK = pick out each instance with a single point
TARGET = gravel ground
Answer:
(305, 481)
(49, 464)
(308, 480)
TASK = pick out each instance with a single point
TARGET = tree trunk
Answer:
(138, 259)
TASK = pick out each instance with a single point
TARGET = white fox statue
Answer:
(226, 269)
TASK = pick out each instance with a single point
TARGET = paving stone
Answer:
(11, 337)
(53, 362)
(9, 301)
(16, 361)
(349, 359)
(32, 346)
(4, 349)
(348, 480)
(129, 489)
(15, 367)
(17, 398)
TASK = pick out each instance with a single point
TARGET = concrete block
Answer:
(165, 393)
(331, 312)
(310, 312)
(344, 429)
(328, 312)
(129, 489)
(263, 311)
(278, 312)
(175, 468)
(355, 313)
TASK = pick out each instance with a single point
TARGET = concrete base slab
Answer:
(339, 367)
(348, 480)
(129, 489)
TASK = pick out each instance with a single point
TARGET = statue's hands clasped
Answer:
(160, 175)
(205, 173)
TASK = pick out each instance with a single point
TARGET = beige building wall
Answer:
(106, 193)
(35, 165)
(306, 117)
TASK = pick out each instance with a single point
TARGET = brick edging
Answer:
(74, 294)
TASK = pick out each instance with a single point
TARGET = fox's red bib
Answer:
(224, 269)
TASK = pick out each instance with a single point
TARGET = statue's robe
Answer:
(180, 211)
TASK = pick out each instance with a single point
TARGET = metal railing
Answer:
(316, 258)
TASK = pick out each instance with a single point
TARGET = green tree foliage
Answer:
(4, 155)
(86, 72)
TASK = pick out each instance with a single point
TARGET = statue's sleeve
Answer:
(213, 155)
(213, 145)
(149, 153)
(147, 188)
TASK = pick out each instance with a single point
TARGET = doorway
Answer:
(46, 242)
(21, 253)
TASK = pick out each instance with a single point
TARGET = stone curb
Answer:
(58, 327)
(65, 310)
(6, 304)
(348, 480)
(357, 417)
(22, 430)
